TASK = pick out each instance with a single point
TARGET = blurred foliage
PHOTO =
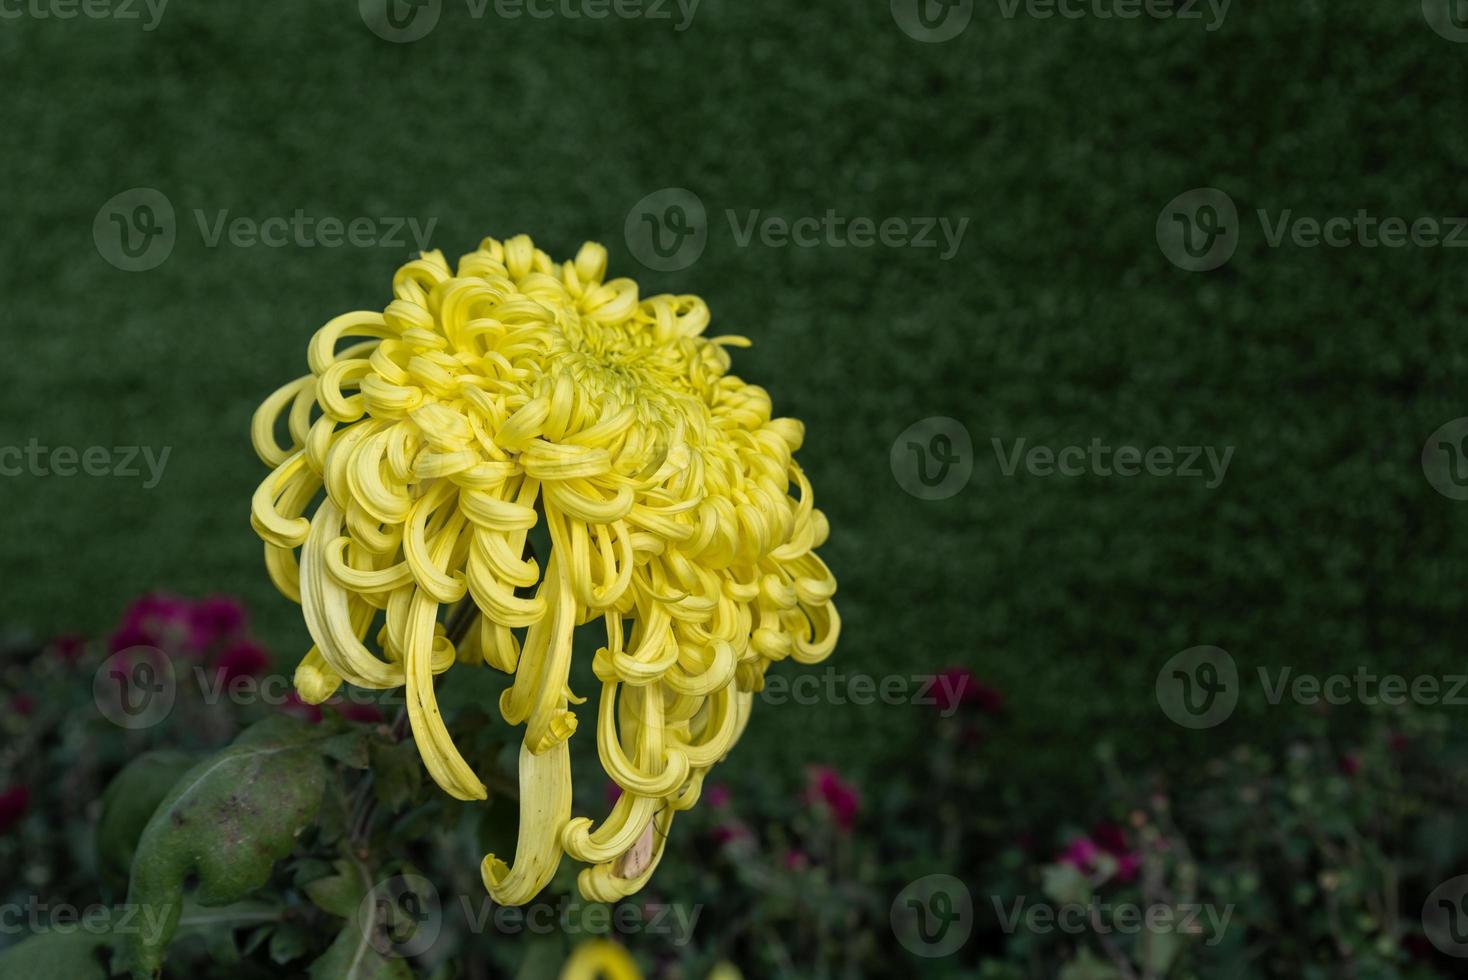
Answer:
(288, 841)
(1059, 321)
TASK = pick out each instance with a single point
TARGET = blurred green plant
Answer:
(253, 836)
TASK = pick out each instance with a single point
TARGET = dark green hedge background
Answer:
(1060, 320)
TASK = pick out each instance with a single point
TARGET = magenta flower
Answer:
(127, 636)
(1127, 866)
(1110, 838)
(293, 705)
(728, 833)
(825, 787)
(795, 860)
(156, 620)
(242, 659)
(717, 796)
(367, 714)
(69, 647)
(23, 705)
(13, 804)
(1350, 764)
(957, 687)
(1106, 839)
(213, 619)
(1081, 853)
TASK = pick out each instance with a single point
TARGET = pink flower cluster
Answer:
(826, 792)
(13, 804)
(367, 714)
(1105, 840)
(214, 629)
(824, 788)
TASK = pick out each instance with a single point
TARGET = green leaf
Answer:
(352, 957)
(56, 956)
(217, 924)
(1087, 967)
(397, 773)
(308, 870)
(227, 821)
(1064, 884)
(544, 956)
(348, 748)
(288, 943)
(340, 894)
(1160, 948)
(130, 801)
(258, 938)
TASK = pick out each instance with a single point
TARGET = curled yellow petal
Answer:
(503, 400)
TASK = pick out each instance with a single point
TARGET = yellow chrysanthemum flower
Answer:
(602, 959)
(516, 390)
